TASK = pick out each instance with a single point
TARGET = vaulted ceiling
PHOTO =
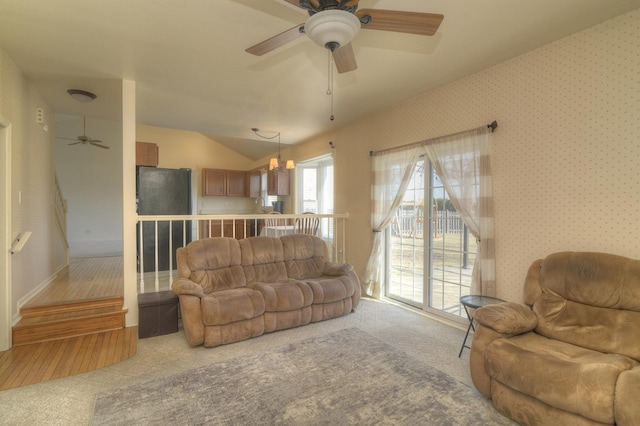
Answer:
(192, 72)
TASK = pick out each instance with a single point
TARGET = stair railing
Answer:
(61, 216)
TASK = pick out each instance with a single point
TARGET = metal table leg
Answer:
(469, 328)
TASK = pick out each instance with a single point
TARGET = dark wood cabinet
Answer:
(214, 182)
(278, 182)
(221, 183)
(236, 183)
(254, 182)
(146, 154)
(214, 228)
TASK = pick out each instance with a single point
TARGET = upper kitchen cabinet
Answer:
(229, 183)
(236, 183)
(146, 154)
(254, 181)
(278, 182)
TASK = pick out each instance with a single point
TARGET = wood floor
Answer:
(39, 362)
(82, 330)
(84, 278)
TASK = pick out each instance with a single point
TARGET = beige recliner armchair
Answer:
(571, 354)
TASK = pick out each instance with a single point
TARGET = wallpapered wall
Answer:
(565, 155)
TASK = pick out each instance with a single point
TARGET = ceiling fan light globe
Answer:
(331, 27)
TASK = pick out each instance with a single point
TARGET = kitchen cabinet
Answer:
(215, 228)
(236, 183)
(254, 181)
(278, 182)
(229, 183)
(146, 154)
(214, 182)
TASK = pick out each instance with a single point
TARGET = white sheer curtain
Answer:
(391, 175)
(463, 163)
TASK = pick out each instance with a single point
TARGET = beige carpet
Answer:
(70, 401)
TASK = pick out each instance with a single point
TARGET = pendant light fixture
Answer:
(275, 163)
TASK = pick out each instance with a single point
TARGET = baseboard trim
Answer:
(25, 299)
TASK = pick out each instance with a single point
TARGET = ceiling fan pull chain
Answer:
(330, 82)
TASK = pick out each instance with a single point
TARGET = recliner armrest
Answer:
(186, 286)
(508, 318)
(336, 269)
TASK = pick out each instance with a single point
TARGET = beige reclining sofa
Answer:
(231, 290)
(572, 356)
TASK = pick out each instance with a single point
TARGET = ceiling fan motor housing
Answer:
(332, 28)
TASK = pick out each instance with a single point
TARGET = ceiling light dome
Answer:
(332, 28)
(81, 95)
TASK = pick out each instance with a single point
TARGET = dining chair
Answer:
(274, 221)
(307, 225)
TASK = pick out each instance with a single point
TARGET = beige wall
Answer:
(565, 155)
(32, 176)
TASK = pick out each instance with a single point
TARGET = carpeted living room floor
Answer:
(70, 401)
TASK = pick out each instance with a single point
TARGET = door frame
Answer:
(5, 234)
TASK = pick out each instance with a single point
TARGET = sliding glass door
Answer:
(430, 252)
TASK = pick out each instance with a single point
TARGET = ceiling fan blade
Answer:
(345, 59)
(403, 22)
(314, 3)
(98, 145)
(276, 41)
(349, 3)
(66, 139)
(75, 143)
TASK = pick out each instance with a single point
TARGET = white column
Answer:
(129, 215)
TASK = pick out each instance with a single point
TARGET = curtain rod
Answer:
(493, 125)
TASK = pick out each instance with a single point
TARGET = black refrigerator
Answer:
(162, 192)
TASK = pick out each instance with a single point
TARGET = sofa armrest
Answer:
(186, 287)
(336, 269)
(627, 410)
(508, 319)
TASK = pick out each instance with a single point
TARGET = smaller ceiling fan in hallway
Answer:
(84, 139)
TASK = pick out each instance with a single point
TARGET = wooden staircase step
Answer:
(74, 306)
(62, 322)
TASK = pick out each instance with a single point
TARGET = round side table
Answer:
(474, 301)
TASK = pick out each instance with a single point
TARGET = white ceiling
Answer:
(191, 71)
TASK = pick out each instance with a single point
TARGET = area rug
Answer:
(345, 377)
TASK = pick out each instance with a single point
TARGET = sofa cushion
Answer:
(262, 259)
(331, 289)
(560, 374)
(304, 255)
(286, 295)
(213, 263)
(227, 306)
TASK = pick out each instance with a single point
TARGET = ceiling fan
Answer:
(84, 139)
(334, 23)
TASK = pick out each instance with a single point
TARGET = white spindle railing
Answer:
(193, 227)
